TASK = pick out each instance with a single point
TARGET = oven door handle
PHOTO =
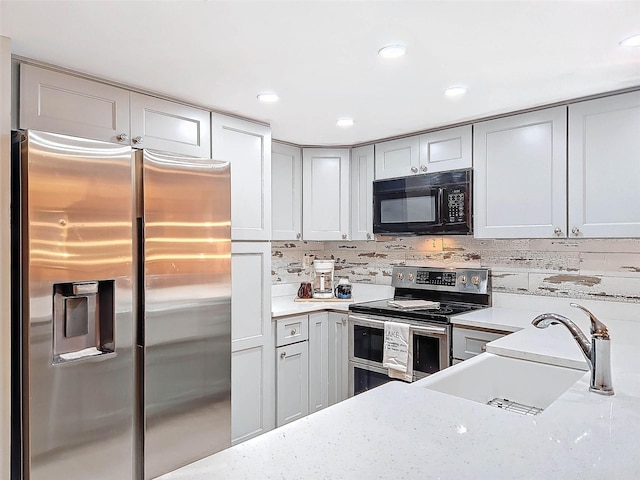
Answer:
(367, 321)
(413, 328)
(429, 329)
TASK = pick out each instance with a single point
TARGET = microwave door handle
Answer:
(441, 205)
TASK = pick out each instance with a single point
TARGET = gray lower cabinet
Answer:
(318, 361)
(311, 363)
(292, 369)
(338, 356)
(469, 341)
(253, 393)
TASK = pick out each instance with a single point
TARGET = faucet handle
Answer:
(597, 327)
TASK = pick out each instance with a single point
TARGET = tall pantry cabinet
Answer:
(247, 146)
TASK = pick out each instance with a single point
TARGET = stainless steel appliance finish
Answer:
(597, 352)
(432, 203)
(456, 291)
(430, 345)
(125, 320)
(187, 309)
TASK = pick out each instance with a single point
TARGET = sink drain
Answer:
(516, 407)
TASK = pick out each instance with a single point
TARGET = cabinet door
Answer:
(252, 364)
(362, 165)
(169, 126)
(469, 342)
(604, 167)
(286, 192)
(446, 150)
(397, 158)
(292, 382)
(318, 361)
(325, 194)
(60, 103)
(520, 175)
(338, 357)
(247, 146)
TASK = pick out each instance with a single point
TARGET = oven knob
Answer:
(463, 279)
(400, 276)
(475, 280)
(410, 277)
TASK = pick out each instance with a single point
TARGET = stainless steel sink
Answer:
(530, 386)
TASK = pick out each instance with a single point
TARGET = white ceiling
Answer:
(321, 56)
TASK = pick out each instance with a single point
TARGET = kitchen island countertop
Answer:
(406, 431)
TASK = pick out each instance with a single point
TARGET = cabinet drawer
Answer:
(469, 342)
(291, 330)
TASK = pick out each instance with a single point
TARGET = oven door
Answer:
(431, 350)
(407, 205)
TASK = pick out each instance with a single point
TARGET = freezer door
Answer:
(78, 375)
(187, 309)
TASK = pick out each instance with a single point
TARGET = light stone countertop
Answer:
(406, 431)
(283, 304)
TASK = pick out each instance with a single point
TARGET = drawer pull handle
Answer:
(283, 354)
(293, 331)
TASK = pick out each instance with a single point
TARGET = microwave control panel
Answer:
(456, 211)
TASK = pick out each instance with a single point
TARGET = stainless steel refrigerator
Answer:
(122, 318)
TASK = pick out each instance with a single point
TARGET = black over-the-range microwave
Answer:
(430, 203)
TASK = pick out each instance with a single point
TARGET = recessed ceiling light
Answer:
(268, 97)
(392, 51)
(455, 91)
(633, 41)
(345, 122)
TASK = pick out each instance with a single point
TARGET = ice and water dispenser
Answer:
(83, 320)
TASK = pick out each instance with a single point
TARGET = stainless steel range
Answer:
(425, 298)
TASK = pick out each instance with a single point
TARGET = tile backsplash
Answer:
(599, 269)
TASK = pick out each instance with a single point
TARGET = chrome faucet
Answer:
(597, 352)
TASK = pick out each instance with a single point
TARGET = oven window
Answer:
(408, 209)
(426, 354)
(368, 343)
(364, 380)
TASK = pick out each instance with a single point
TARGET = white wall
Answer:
(5, 263)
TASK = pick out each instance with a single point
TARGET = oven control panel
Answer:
(437, 277)
(464, 280)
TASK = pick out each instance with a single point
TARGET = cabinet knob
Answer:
(138, 139)
(414, 169)
(557, 231)
(293, 331)
(423, 168)
(283, 354)
(344, 321)
(299, 236)
(368, 236)
(575, 231)
(123, 137)
(344, 236)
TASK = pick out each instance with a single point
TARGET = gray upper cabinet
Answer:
(325, 194)
(448, 149)
(169, 126)
(247, 146)
(286, 192)
(397, 158)
(520, 174)
(60, 103)
(604, 167)
(362, 166)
